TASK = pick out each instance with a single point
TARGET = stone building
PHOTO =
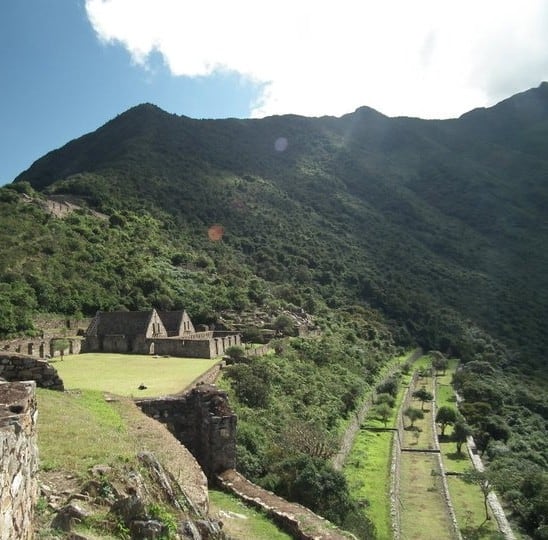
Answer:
(154, 332)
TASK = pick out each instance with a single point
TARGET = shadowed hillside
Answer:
(390, 232)
(432, 222)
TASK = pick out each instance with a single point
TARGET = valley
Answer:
(389, 234)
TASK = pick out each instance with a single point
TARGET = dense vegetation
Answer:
(291, 406)
(402, 231)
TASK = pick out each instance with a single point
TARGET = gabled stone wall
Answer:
(18, 460)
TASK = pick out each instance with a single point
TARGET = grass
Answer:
(79, 429)
(367, 471)
(423, 512)
(468, 504)
(122, 374)
(425, 439)
(467, 499)
(367, 468)
(241, 521)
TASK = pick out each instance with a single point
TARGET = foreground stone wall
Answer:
(20, 367)
(18, 460)
(203, 421)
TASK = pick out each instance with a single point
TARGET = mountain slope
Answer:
(438, 224)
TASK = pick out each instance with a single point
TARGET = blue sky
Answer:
(68, 66)
(58, 82)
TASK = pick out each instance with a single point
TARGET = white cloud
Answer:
(427, 58)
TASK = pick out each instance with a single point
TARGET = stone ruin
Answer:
(20, 367)
(201, 420)
(18, 460)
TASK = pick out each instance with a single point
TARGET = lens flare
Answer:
(215, 232)
(281, 144)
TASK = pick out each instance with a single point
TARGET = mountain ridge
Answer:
(433, 193)
(391, 233)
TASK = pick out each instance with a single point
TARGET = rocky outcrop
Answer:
(18, 460)
(141, 497)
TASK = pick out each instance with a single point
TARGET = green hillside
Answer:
(390, 231)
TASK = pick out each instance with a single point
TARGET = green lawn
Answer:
(467, 499)
(241, 521)
(367, 468)
(424, 515)
(367, 471)
(79, 429)
(122, 374)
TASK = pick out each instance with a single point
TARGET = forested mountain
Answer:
(439, 225)
(392, 232)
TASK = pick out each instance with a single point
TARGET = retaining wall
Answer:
(203, 422)
(20, 367)
(18, 460)
(445, 486)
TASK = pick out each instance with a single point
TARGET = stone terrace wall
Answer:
(203, 421)
(20, 367)
(18, 460)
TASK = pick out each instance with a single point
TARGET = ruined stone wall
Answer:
(20, 367)
(42, 347)
(18, 460)
(203, 421)
(184, 348)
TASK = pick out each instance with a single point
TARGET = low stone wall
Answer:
(257, 351)
(298, 521)
(20, 367)
(395, 467)
(209, 377)
(18, 460)
(446, 495)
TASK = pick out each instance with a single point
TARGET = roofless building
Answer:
(155, 332)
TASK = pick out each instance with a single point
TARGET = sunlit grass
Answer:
(467, 499)
(122, 374)
(367, 468)
(424, 515)
(367, 471)
(241, 521)
(79, 429)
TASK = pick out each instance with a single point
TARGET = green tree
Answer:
(461, 431)
(60, 346)
(445, 416)
(251, 383)
(480, 479)
(383, 411)
(389, 386)
(235, 353)
(413, 414)
(385, 398)
(439, 362)
(423, 396)
(284, 325)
